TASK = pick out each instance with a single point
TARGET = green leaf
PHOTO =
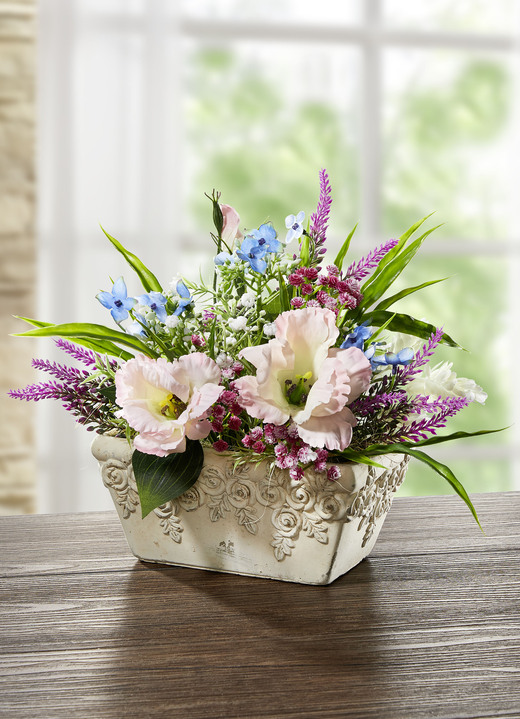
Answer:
(439, 439)
(344, 249)
(442, 469)
(360, 458)
(406, 324)
(305, 250)
(448, 475)
(162, 479)
(109, 392)
(377, 285)
(102, 347)
(148, 279)
(78, 332)
(395, 250)
(404, 293)
(34, 323)
(381, 329)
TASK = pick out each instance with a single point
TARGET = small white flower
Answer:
(294, 226)
(224, 360)
(231, 341)
(172, 321)
(173, 284)
(238, 324)
(248, 299)
(270, 329)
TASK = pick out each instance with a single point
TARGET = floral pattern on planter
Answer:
(118, 476)
(308, 506)
(373, 500)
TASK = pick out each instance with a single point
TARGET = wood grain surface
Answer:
(428, 626)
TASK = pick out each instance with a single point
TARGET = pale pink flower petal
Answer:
(333, 432)
(167, 401)
(302, 348)
(230, 229)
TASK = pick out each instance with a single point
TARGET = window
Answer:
(410, 106)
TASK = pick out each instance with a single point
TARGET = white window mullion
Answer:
(370, 158)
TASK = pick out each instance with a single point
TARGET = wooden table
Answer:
(429, 626)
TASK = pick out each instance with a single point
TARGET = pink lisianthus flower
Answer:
(165, 402)
(230, 228)
(302, 377)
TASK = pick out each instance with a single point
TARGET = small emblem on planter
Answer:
(226, 548)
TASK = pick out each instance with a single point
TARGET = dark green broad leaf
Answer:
(407, 325)
(103, 336)
(148, 279)
(162, 479)
(109, 392)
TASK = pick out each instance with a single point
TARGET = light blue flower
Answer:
(156, 302)
(224, 258)
(256, 246)
(403, 357)
(357, 337)
(117, 301)
(185, 296)
(294, 226)
(266, 237)
(136, 328)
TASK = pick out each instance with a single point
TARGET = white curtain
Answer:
(109, 114)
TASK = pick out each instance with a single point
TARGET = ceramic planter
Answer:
(244, 521)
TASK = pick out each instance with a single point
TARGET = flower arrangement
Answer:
(285, 357)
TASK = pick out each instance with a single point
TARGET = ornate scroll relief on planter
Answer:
(245, 520)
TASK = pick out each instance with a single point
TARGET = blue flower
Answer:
(294, 226)
(266, 237)
(156, 302)
(185, 296)
(136, 328)
(256, 246)
(117, 301)
(223, 258)
(357, 337)
(403, 357)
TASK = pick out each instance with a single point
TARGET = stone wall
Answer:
(17, 250)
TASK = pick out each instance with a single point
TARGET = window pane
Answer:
(276, 11)
(447, 136)
(477, 16)
(472, 306)
(262, 120)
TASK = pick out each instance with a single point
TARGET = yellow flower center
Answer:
(172, 407)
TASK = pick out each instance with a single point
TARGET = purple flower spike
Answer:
(320, 218)
(406, 374)
(362, 268)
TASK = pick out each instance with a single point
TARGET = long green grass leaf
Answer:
(397, 249)
(344, 249)
(439, 439)
(442, 469)
(404, 293)
(101, 347)
(375, 287)
(77, 331)
(148, 279)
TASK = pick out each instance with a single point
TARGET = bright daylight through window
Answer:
(145, 106)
